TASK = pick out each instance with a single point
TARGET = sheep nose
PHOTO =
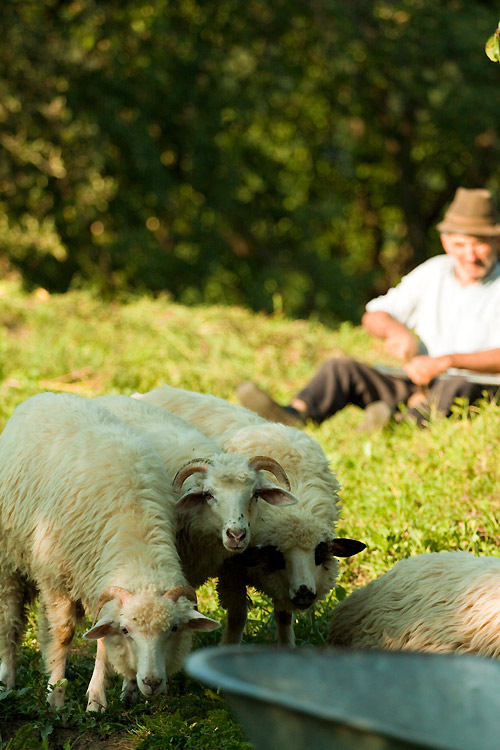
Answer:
(236, 536)
(153, 683)
(304, 597)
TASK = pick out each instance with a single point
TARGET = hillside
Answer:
(404, 490)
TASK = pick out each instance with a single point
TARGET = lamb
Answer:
(86, 519)
(218, 509)
(292, 555)
(436, 601)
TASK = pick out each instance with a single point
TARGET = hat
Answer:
(471, 212)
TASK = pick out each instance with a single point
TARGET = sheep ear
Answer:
(341, 547)
(197, 621)
(100, 629)
(191, 499)
(275, 495)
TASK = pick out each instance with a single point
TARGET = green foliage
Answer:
(404, 490)
(287, 155)
(492, 47)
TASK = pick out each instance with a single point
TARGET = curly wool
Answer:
(297, 529)
(439, 601)
(151, 613)
(154, 613)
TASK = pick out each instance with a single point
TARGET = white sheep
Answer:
(85, 517)
(217, 509)
(437, 601)
(304, 569)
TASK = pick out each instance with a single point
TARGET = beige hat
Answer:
(471, 212)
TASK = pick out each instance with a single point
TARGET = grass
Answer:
(404, 490)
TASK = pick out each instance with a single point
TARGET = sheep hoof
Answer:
(96, 705)
(55, 696)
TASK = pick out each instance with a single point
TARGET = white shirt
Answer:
(447, 317)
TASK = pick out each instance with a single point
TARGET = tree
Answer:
(294, 154)
(492, 47)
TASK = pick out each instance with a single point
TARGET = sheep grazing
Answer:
(437, 601)
(296, 565)
(85, 517)
(219, 504)
(142, 628)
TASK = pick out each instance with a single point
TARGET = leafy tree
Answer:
(290, 154)
(492, 47)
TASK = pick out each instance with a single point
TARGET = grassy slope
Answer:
(405, 491)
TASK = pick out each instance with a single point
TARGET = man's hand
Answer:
(421, 370)
(402, 344)
(398, 340)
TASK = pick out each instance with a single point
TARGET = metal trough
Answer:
(318, 699)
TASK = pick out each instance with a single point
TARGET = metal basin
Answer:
(314, 699)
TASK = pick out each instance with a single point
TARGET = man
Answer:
(442, 321)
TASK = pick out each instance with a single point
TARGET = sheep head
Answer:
(226, 490)
(148, 634)
(294, 562)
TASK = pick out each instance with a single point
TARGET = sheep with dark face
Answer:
(86, 517)
(271, 571)
(304, 534)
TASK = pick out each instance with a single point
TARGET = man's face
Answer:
(474, 256)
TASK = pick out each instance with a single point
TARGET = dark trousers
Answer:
(343, 381)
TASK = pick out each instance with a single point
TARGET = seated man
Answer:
(442, 320)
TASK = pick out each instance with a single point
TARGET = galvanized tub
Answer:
(319, 699)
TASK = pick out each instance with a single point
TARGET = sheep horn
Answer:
(112, 592)
(266, 463)
(197, 464)
(178, 591)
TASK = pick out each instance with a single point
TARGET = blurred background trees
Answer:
(292, 155)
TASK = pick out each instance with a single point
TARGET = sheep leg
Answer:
(232, 591)
(236, 621)
(57, 620)
(286, 635)
(96, 690)
(12, 623)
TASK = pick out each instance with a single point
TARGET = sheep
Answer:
(296, 565)
(436, 601)
(217, 511)
(212, 415)
(85, 518)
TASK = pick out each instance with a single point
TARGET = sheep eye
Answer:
(175, 628)
(124, 631)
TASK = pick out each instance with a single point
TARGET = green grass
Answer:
(404, 490)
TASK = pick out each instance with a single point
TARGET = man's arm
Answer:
(399, 341)
(421, 370)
